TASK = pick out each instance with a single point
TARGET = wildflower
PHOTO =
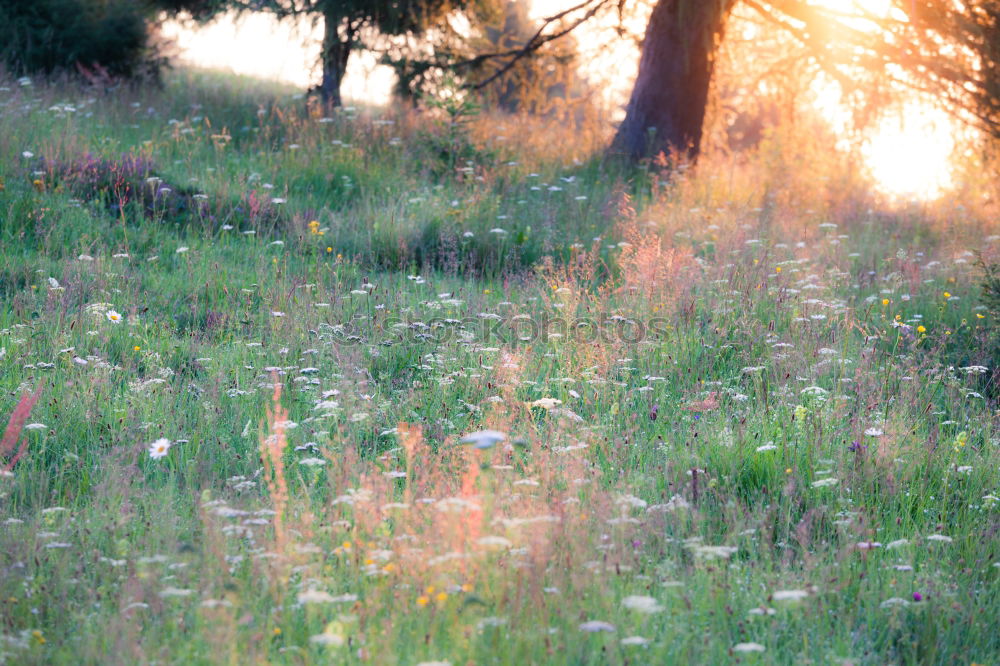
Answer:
(635, 640)
(494, 542)
(748, 647)
(545, 403)
(789, 595)
(216, 603)
(675, 503)
(921, 329)
(483, 439)
(423, 600)
(824, 483)
(159, 448)
(763, 611)
(714, 552)
(885, 301)
(947, 295)
(592, 626)
(333, 635)
(893, 602)
(642, 604)
(918, 597)
(175, 592)
(113, 316)
(630, 502)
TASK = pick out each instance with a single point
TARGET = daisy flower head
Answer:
(114, 316)
(159, 448)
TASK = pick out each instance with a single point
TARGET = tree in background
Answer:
(496, 56)
(546, 81)
(352, 24)
(947, 49)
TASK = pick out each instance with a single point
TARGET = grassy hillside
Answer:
(744, 414)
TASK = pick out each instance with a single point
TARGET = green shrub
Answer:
(47, 36)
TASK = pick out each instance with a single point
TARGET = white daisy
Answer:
(159, 448)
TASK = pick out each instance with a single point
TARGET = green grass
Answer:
(834, 422)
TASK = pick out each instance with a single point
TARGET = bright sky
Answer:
(908, 154)
(259, 45)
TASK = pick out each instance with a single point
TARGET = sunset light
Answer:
(483, 332)
(907, 153)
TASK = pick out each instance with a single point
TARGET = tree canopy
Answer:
(346, 24)
(950, 50)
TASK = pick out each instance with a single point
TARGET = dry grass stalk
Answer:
(14, 427)
(272, 448)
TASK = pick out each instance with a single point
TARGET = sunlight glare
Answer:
(259, 45)
(907, 154)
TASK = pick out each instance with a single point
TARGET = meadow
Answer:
(394, 387)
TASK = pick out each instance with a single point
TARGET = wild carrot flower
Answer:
(593, 626)
(642, 604)
(748, 647)
(483, 439)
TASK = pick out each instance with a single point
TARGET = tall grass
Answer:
(761, 426)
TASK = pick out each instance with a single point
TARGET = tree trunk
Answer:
(667, 107)
(336, 51)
